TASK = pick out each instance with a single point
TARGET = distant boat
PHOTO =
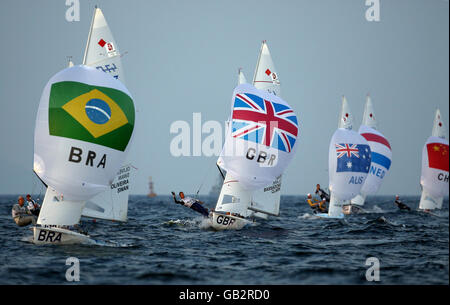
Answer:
(381, 156)
(348, 163)
(151, 193)
(215, 189)
(435, 167)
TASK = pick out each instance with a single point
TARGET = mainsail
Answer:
(102, 51)
(113, 203)
(381, 154)
(435, 167)
(348, 162)
(266, 77)
(84, 128)
(266, 201)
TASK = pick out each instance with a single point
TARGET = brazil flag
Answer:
(95, 114)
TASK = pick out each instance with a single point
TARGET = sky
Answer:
(182, 58)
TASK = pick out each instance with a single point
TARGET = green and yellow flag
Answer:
(94, 114)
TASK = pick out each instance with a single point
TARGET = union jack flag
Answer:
(264, 122)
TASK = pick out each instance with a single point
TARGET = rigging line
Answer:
(204, 178)
(221, 173)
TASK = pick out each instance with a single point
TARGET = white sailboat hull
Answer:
(59, 236)
(221, 222)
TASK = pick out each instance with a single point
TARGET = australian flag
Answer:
(264, 122)
(353, 158)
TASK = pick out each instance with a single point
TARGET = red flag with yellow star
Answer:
(438, 157)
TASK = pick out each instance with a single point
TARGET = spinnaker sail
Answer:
(348, 162)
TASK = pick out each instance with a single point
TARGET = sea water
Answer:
(166, 243)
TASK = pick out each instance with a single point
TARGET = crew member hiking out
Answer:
(316, 205)
(192, 203)
(400, 204)
(21, 215)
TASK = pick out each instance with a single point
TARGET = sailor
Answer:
(21, 215)
(192, 203)
(316, 205)
(33, 207)
(400, 204)
(321, 193)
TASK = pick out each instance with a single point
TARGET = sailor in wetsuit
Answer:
(192, 203)
(21, 215)
(34, 207)
(316, 205)
(322, 194)
(400, 204)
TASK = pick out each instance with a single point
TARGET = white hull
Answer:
(227, 222)
(348, 209)
(59, 236)
(325, 215)
(428, 202)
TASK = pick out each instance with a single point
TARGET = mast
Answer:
(89, 36)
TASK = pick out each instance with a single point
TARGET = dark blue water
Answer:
(167, 244)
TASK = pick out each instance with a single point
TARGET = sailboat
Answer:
(435, 167)
(84, 128)
(102, 53)
(259, 144)
(348, 163)
(101, 50)
(381, 158)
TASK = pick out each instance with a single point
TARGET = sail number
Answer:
(49, 236)
(262, 156)
(224, 220)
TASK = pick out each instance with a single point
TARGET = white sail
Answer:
(113, 203)
(348, 162)
(102, 51)
(381, 154)
(259, 145)
(84, 128)
(267, 200)
(266, 77)
(233, 197)
(56, 210)
(435, 167)
(70, 64)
